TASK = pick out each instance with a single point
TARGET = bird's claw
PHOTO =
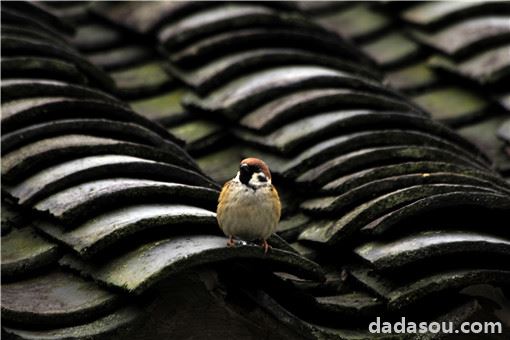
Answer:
(231, 242)
(266, 246)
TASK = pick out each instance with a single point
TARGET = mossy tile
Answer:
(435, 14)
(476, 202)
(367, 139)
(328, 205)
(392, 49)
(484, 135)
(140, 268)
(112, 324)
(165, 107)
(54, 299)
(354, 22)
(388, 254)
(76, 203)
(358, 217)
(31, 47)
(363, 158)
(221, 165)
(223, 69)
(412, 77)
(466, 37)
(285, 109)
(48, 68)
(64, 175)
(120, 57)
(489, 66)
(144, 79)
(95, 36)
(360, 178)
(24, 251)
(245, 93)
(445, 281)
(452, 105)
(96, 234)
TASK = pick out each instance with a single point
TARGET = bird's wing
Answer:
(276, 199)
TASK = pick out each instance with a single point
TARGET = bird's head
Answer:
(254, 173)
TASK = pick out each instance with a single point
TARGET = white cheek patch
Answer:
(258, 179)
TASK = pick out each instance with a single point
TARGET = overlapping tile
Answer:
(89, 148)
(137, 270)
(296, 134)
(23, 251)
(434, 168)
(418, 247)
(114, 324)
(56, 298)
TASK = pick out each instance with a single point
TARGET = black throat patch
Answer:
(245, 176)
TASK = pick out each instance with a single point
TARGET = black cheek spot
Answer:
(262, 178)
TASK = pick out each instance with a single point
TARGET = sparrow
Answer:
(249, 207)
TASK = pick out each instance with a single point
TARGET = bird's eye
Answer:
(262, 178)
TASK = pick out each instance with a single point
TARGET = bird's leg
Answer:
(230, 242)
(266, 246)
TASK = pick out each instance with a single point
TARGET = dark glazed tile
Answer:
(22, 162)
(475, 201)
(148, 16)
(165, 108)
(355, 305)
(126, 131)
(21, 113)
(350, 142)
(120, 57)
(223, 164)
(139, 269)
(357, 22)
(108, 325)
(445, 281)
(14, 46)
(395, 253)
(23, 251)
(54, 299)
(402, 295)
(96, 234)
(225, 68)
(95, 36)
(392, 49)
(452, 105)
(484, 135)
(59, 177)
(504, 131)
(412, 78)
(40, 13)
(199, 135)
(468, 36)
(330, 204)
(241, 95)
(40, 67)
(489, 66)
(72, 205)
(304, 133)
(226, 17)
(282, 110)
(370, 157)
(17, 89)
(202, 51)
(351, 222)
(142, 80)
(434, 14)
(365, 176)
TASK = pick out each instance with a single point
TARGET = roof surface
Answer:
(121, 120)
